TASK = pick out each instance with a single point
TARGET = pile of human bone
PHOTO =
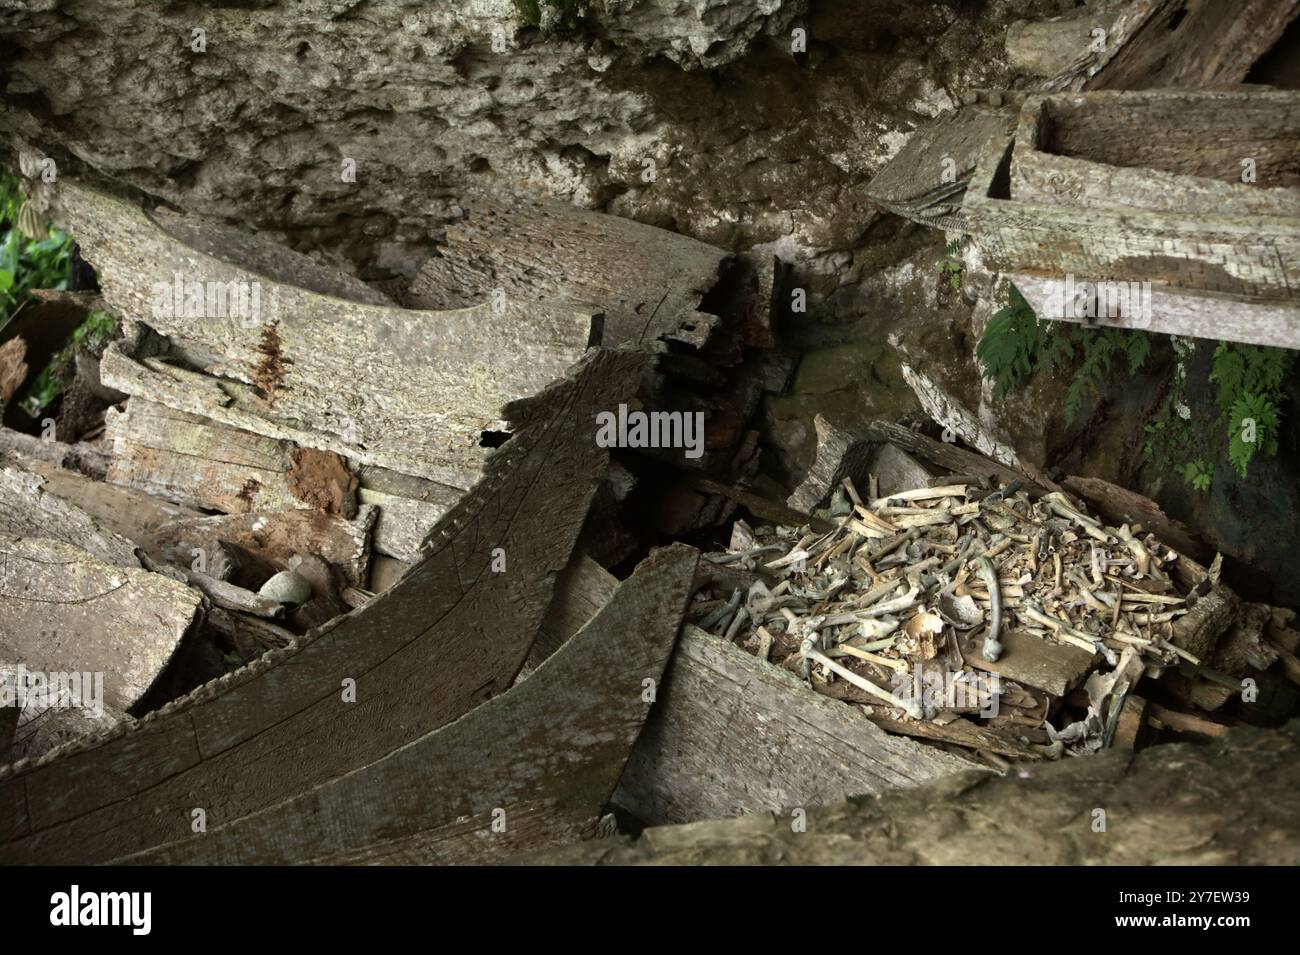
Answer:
(966, 599)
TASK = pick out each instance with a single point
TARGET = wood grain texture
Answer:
(732, 734)
(547, 754)
(1230, 251)
(276, 536)
(402, 388)
(197, 462)
(63, 610)
(839, 455)
(448, 635)
(1196, 43)
(581, 591)
(1189, 312)
(647, 282)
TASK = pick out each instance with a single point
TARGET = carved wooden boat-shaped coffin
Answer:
(284, 768)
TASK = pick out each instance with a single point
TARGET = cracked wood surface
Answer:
(276, 536)
(402, 388)
(732, 734)
(448, 635)
(547, 754)
(647, 283)
(64, 610)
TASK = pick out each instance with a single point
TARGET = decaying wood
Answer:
(943, 453)
(1229, 250)
(896, 470)
(276, 536)
(1184, 722)
(1196, 43)
(731, 734)
(1148, 44)
(185, 458)
(63, 610)
(448, 635)
(87, 459)
(402, 388)
(1032, 661)
(1226, 801)
(581, 591)
(39, 730)
(39, 499)
(1066, 49)
(839, 455)
(647, 282)
(918, 184)
(403, 523)
(758, 505)
(1187, 312)
(951, 415)
(542, 757)
(1199, 629)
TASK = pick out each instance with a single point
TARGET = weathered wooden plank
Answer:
(40, 499)
(581, 591)
(1055, 668)
(1174, 311)
(403, 523)
(63, 610)
(1196, 43)
(548, 751)
(839, 455)
(954, 417)
(402, 388)
(1230, 251)
(1189, 136)
(944, 454)
(197, 462)
(276, 536)
(731, 734)
(448, 635)
(647, 282)
(1069, 50)
(926, 179)
(1177, 804)
(86, 459)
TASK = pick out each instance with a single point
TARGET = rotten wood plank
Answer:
(731, 734)
(840, 455)
(487, 785)
(581, 591)
(647, 282)
(1054, 668)
(448, 635)
(401, 388)
(63, 610)
(275, 537)
(197, 462)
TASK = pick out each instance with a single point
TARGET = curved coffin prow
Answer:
(449, 635)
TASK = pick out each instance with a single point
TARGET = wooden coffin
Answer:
(451, 634)
(1120, 187)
